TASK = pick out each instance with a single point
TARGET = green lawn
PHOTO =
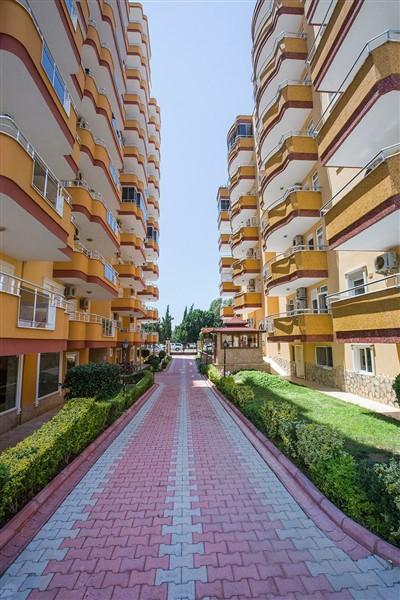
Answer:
(366, 434)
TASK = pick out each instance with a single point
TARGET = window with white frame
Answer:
(356, 281)
(323, 356)
(310, 242)
(48, 376)
(320, 238)
(9, 382)
(363, 359)
(315, 180)
(314, 300)
(323, 299)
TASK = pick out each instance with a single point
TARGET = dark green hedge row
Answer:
(368, 493)
(27, 467)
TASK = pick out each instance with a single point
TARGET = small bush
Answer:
(396, 388)
(388, 476)
(162, 354)
(95, 380)
(213, 374)
(242, 395)
(144, 353)
(339, 479)
(317, 442)
(274, 413)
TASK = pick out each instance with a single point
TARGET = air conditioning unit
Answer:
(301, 293)
(301, 304)
(298, 240)
(250, 252)
(69, 292)
(385, 263)
(83, 303)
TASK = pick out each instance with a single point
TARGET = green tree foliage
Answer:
(194, 319)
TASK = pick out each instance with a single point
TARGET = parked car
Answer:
(177, 347)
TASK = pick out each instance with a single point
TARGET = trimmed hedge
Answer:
(239, 394)
(370, 494)
(27, 467)
(95, 380)
(396, 388)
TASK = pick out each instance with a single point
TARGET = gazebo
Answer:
(235, 346)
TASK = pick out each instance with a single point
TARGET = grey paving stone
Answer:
(168, 576)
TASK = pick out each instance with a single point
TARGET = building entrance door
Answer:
(299, 360)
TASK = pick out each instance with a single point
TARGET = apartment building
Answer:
(79, 183)
(313, 193)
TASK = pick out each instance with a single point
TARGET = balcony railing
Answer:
(391, 35)
(278, 41)
(109, 326)
(320, 32)
(109, 272)
(290, 190)
(37, 305)
(292, 250)
(281, 86)
(43, 179)
(286, 136)
(378, 159)
(391, 281)
(111, 220)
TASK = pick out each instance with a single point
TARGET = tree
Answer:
(165, 331)
(215, 306)
(188, 331)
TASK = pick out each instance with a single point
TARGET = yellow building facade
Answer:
(310, 215)
(79, 185)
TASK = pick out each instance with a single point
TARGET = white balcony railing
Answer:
(109, 272)
(43, 179)
(37, 304)
(291, 190)
(391, 281)
(278, 41)
(292, 250)
(109, 326)
(281, 86)
(111, 220)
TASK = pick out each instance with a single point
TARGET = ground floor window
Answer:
(48, 373)
(323, 355)
(72, 360)
(9, 368)
(363, 359)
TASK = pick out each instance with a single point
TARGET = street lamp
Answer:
(125, 346)
(226, 345)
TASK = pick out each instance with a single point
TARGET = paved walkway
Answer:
(181, 506)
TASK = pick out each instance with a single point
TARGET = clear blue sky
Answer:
(201, 77)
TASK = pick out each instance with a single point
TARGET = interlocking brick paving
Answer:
(182, 506)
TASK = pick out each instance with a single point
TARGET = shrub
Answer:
(144, 353)
(339, 479)
(153, 361)
(317, 443)
(242, 395)
(162, 354)
(273, 413)
(388, 476)
(213, 374)
(226, 386)
(396, 388)
(30, 465)
(95, 380)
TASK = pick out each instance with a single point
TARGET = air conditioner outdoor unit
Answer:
(301, 293)
(301, 304)
(250, 252)
(298, 240)
(385, 262)
(69, 292)
(83, 303)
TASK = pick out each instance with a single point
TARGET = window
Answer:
(310, 242)
(128, 194)
(226, 338)
(315, 181)
(323, 355)
(319, 236)
(9, 369)
(363, 359)
(48, 374)
(323, 299)
(224, 204)
(355, 282)
(314, 300)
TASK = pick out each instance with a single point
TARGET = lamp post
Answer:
(226, 345)
(125, 346)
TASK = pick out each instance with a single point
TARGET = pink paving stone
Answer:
(233, 588)
(113, 579)
(209, 590)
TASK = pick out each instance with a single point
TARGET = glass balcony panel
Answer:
(26, 307)
(39, 177)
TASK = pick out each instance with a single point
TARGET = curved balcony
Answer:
(286, 62)
(150, 315)
(35, 207)
(356, 122)
(132, 218)
(97, 57)
(91, 331)
(241, 183)
(298, 267)
(284, 15)
(137, 59)
(152, 337)
(136, 84)
(31, 72)
(95, 108)
(96, 164)
(149, 294)
(315, 11)
(34, 315)
(132, 248)
(243, 210)
(247, 302)
(88, 273)
(131, 334)
(135, 136)
(150, 271)
(364, 214)
(130, 276)
(288, 164)
(153, 207)
(97, 225)
(338, 44)
(135, 110)
(371, 317)
(224, 243)
(224, 222)
(293, 214)
(244, 241)
(287, 112)
(151, 249)
(226, 312)
(134, 162)
(227, 289)
(128, 306)
(225, 264)
(246, 269)
(300, 326)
